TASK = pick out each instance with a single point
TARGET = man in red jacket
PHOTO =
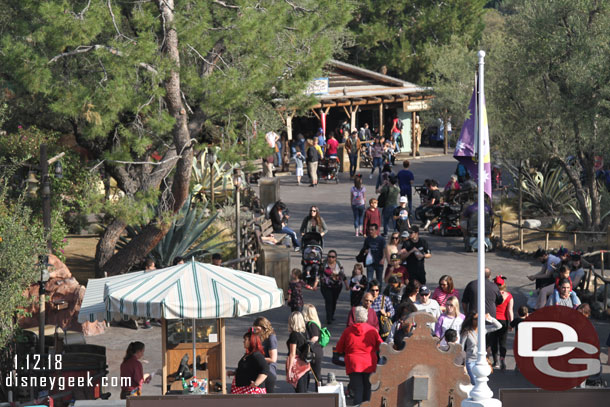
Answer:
(360, 344)
(367, 301)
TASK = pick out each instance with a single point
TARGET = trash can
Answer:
(269, 190)
(275, 262)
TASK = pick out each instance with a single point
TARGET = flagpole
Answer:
(481, 395)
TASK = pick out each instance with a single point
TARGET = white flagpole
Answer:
(481, 394)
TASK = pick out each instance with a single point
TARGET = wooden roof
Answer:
(352, 85)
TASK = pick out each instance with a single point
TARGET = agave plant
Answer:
(604, 196)
(547, 190)
(182, 239)
(222, 182)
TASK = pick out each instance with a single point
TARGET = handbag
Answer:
(385, 323)
(338, 358)
(361, 257)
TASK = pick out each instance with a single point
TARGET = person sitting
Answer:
(550, 263)
(451, 189)
(425, 212)
(565, 296)
(279, 219)
(577, 267)
(546, 291)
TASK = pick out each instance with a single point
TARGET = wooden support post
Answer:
(223, 356)
(413, 135)
(316, 114)
(546, 241)
(163, 356)
(353, 111)
(501, 231)
(520, 209)
(289, 125)
(575, 241)
(381, 119)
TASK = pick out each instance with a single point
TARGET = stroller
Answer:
(311, 258)
(471, 238)
(365, 155)
(329, 168)
(448, 221)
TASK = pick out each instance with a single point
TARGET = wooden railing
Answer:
(547, 233)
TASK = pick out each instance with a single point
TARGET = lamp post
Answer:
(43, 262)
(237, 183)
(211, 158)
(46, 195)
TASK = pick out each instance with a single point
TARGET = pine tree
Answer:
(137, 80)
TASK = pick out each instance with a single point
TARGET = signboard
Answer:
(319, 86)
(234, 400)
(538, 397)
(415, 105)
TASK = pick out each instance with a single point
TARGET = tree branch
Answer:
(298, 8)
(81, 49)
(116, 27)
(225, 5)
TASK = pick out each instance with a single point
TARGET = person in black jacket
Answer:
(312, 156)
(279, 217)
(252, 369)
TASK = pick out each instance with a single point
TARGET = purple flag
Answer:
(466, 147)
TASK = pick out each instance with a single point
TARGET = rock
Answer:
(61, 287)
(532, 223)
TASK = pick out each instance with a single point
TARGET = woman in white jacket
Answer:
(469, 338)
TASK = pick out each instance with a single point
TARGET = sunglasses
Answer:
(375, 289)
(425, 295)
(314, 210)
(395, 237)
(332, 257)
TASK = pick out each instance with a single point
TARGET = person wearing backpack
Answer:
(391, 192)
(357, 200)
(315, 335)
(298, 362)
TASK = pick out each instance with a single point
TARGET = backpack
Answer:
(399, 124)
(305, 353)
(324, 335)
(383, 197)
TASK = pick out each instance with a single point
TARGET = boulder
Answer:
(532, 223)
(61, 288)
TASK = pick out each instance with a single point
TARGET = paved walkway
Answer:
(448, 257)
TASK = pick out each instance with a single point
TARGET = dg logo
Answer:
(557, 348)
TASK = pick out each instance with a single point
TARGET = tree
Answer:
(550, 91)
(394, 34)
(21, 242)
(452, 78)
(139, 84)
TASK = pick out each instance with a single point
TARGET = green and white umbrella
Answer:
(192, 290)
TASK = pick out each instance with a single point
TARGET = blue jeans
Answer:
(375, 271)
(469, 367)
(292, 234)
(358, 216)
(279, 153)
(353, 163)
(387, 213)
(377, 162)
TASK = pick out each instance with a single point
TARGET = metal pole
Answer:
(46, 195)
(194, 348)
(237, 222)
(41, 318)
(520, 205)
(212, 184)
(481, 394)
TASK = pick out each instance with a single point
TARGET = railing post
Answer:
(520, 236)
(501, 231)
(546, 241)
(575, 241)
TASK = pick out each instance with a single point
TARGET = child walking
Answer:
(372, 216)
(299, 159)
(357, 285)
(295, 291)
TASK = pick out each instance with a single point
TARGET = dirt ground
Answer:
(80, 256)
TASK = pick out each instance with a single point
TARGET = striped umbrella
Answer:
(192, 290)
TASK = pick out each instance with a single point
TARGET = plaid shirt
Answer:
(389, 308)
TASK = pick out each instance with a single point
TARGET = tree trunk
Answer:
(587, 164)
(579, 192)
(151, 235)
(105, 246)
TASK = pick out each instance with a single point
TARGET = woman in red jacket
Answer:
(360, 344)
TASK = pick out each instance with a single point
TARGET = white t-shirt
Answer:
(270, 137)
(432, 307)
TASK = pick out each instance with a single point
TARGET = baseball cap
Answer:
(403, 199)
(500, 280)
(414, 229)
(562, 252)
(424, 290)
(405, 234)
(393, 280)
(394, 256)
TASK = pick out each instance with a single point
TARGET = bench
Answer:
(267, 231)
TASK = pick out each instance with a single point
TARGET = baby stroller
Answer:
(329, 168)
(448, 221)
(365, 155)
(471, 239)
(311, 258)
